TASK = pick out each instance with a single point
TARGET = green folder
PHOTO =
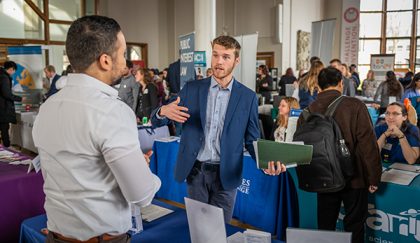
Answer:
(289, 154)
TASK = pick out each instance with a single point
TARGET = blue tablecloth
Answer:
(393, 216)
(265, 202)
(170, 228)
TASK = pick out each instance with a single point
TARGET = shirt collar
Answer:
(214, 83)
(84, 80)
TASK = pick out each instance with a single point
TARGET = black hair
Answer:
(329, 77)
(88, 38)
(10, 64)
(129, 63)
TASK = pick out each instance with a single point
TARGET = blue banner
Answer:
(200, 63)
(186, 47)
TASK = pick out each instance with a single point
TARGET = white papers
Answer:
(238, 237)
(206, 222)
(35, 164)
(167, 139)
(256, 236)
(400, 177)
(152, 212)
(405, 167)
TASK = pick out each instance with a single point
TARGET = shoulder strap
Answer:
(333, 106)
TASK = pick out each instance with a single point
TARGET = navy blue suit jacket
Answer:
(240, 128)
(53, 89)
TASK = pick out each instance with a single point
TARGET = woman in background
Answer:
(308, 85)
(147, 98)
(279, 130)
(391, 87)
(265, 83)
(287, 78)
(398, 140)
(370, 85)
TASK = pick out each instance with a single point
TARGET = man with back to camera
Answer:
(219, 116)
(92, 164)
(353, 119)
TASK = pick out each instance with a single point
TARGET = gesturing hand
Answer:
(175, 112)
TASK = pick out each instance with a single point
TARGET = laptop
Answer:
(206, 222)
(294, 235)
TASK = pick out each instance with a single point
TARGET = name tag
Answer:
(387, 146)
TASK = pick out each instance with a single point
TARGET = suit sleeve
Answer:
(159, 122)
(6, 91)
(252, 131)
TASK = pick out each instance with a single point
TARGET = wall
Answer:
(303, 13)
(333, 9)
(233, 17)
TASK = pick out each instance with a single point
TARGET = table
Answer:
(393, 216)
(21, 197)
(170, 228)
(21, 132)
(265, 202)
(147, 136)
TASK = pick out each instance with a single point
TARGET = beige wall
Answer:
(159, 23)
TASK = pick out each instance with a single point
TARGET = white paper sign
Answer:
(35, 164)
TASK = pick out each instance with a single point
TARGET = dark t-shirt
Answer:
(392, 151)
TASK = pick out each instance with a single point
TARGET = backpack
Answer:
(331, 165)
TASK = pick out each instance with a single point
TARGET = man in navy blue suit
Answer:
(52, 76)
(219, 116)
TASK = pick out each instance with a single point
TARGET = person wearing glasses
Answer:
(398, 140)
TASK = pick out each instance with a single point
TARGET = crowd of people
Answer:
(88, 141)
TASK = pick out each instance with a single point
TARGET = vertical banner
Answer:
(186, 47)
(29, 67)
(246, 72)
(200, 64)
(322, 39)
(380, 64)
(350, 32)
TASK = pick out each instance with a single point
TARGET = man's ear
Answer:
(105, 62)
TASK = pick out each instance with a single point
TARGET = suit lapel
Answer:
(203, 94)
(235, 94)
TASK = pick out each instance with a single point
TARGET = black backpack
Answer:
(331, 165)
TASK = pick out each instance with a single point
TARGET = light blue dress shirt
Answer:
(217, 103)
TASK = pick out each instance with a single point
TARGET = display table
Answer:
(265, 202)
(21, 197)
(21, 132)
(393, 216)
(170, 228)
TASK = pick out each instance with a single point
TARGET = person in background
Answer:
(287, 78)
(308, 85)
(389, 88)
(407, 79)
(279, 130)
(354, 121)
(265, 83)
(398, 140)
(147, 94)
(52, 77)
(355, 75)
(348, 80)
(209, 72)
(128, 85)
(413, 89)
(370, 85)
(7, 101)
(87, 138)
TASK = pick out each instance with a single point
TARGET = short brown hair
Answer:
(227, 42)
(50, 68)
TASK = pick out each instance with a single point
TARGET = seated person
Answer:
(279, 130)
(398, 140)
